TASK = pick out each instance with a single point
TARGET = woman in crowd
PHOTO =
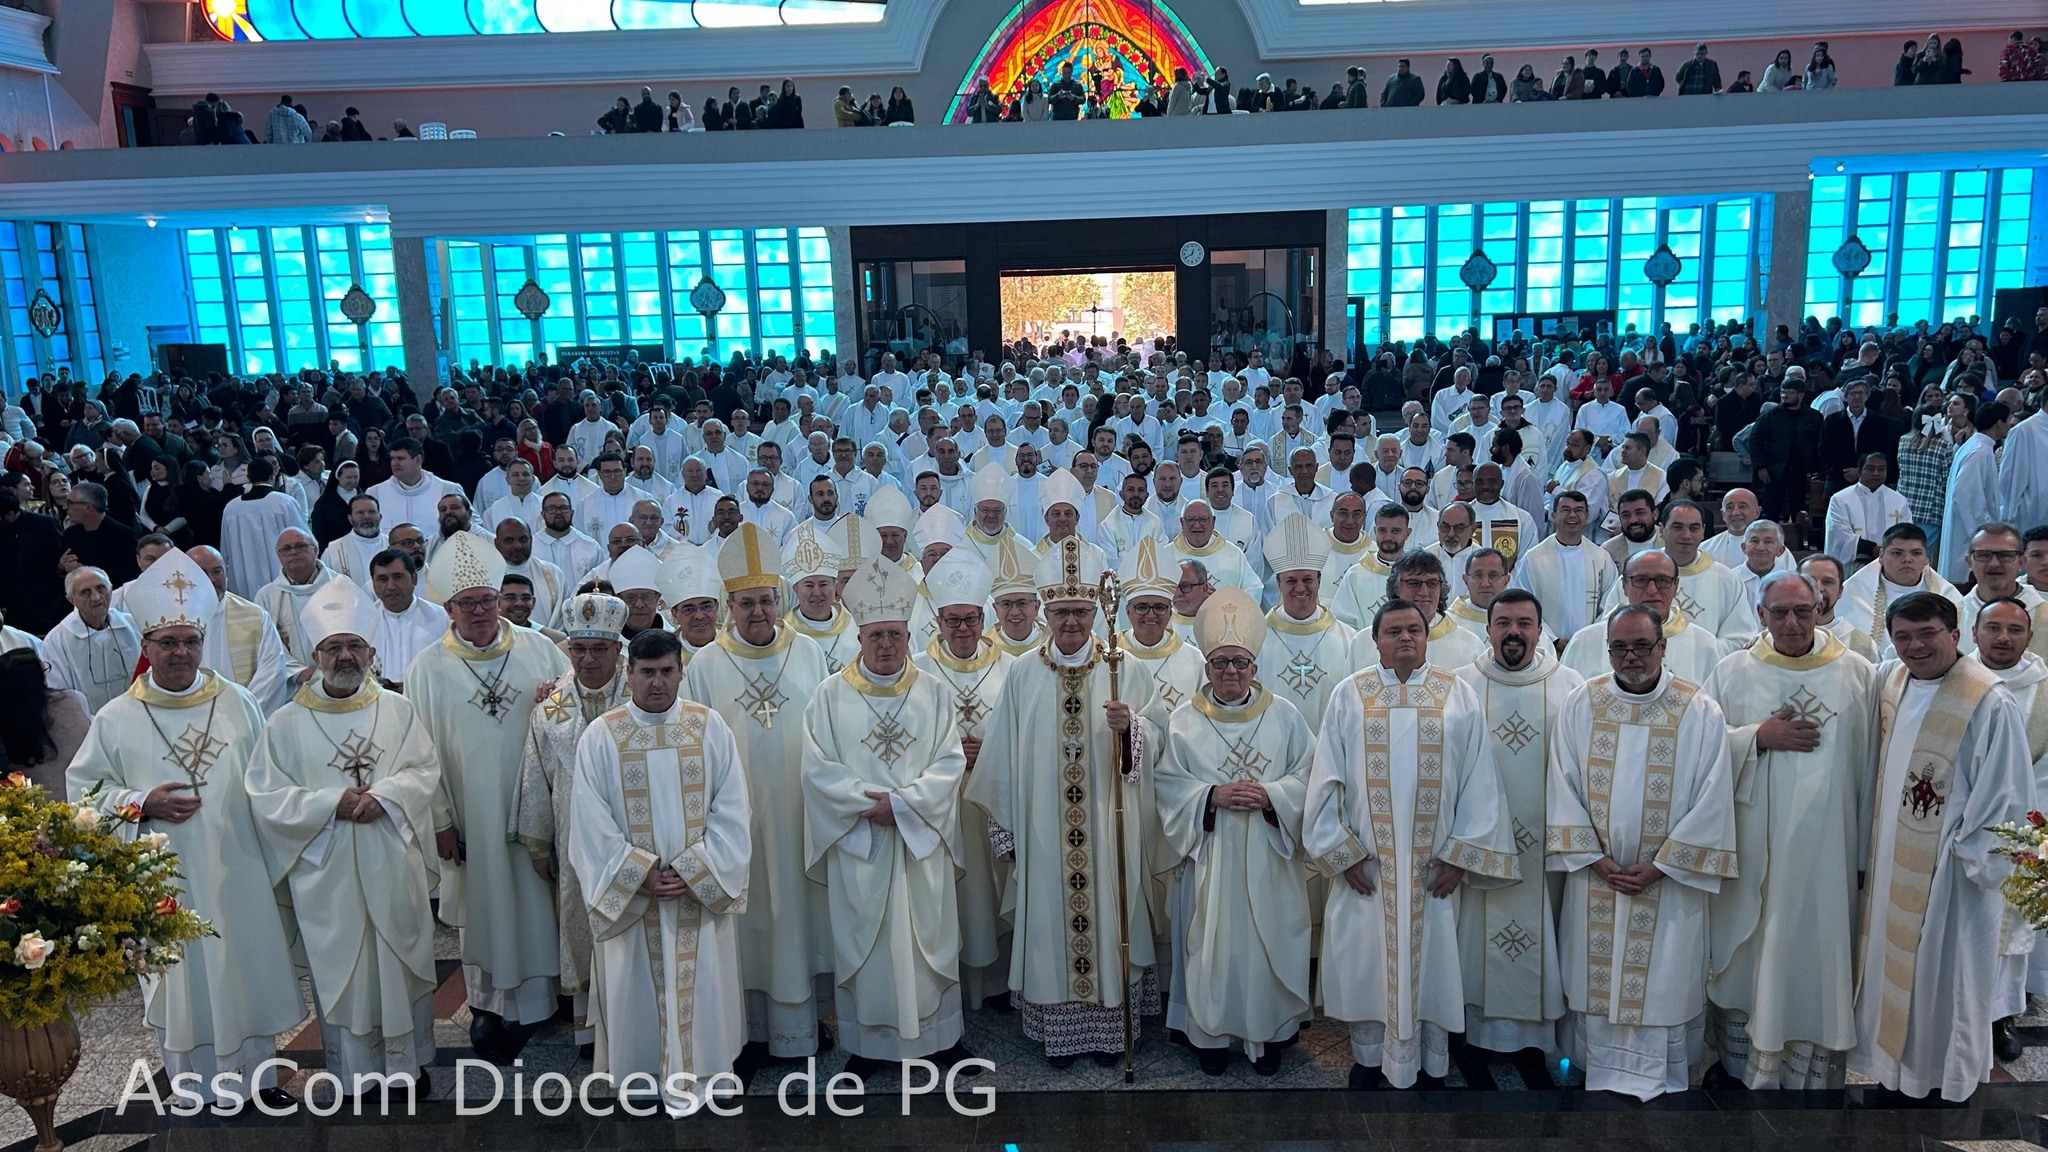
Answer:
(231, 463)
(618, 120)
(1820, 71)
(1930, 67)
(200, 503)
(1779, 76)
(1527, 89)
(41, 728)
(56, 493)
(534, 450)
(376, 461)
(713, 117)
(329, 520)
(1454, 87)
(90, 429)
(160, 506)
(788, 110)
(899, 110)
(873, 112)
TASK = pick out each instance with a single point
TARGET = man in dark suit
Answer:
(646, 114)
(1846, 437)
(1785, 449)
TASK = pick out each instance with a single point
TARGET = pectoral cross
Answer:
(194, 752)
(491, 698)
(1302, 673)
(888, 740)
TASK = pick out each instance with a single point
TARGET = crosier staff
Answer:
(1119, 750)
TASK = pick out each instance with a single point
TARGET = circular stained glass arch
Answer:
(1120, 49)
(256, 20)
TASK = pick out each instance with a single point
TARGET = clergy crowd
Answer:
(730, 747)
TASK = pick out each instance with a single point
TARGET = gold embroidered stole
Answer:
(1427, 697)
(245, 633)
(1639, 934)
(1916, 847)
(1079, 860)
(1515, 924)
(675, 974)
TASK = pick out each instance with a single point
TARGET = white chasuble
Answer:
(1507, 937)
(1304, 660)
(1783, 934)
(475, 703)
(1404, 778)
(1450, 647)
(785, 935)
(1690, 652)
(361, 888)
(1712, 595)
(542, 813)
(890, 890)
(1045, 778)
(1637, 778)
(1568, 579)
(1952, 762)
(1360, 591)
(975, 684)
(221, 1007)
(837, 638)
(663, 790)
(1245, 952)
(1867, 594)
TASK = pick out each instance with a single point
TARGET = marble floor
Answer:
(1484, 1104)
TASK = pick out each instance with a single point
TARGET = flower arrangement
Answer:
(2027, 887)
(86, 904)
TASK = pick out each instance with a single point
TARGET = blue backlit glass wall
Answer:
(1940, 242)
(273, 295)
(634, 288)
(1553, 256)
(56, 258)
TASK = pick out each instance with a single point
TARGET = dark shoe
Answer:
(487, 1036)
(1179, 1037)
(2004, 1045)
(1428, 1083)
(516, 1036)
(1062, 1061)
(1214, 1060)
(586, 1051)
(1108, 1059)
(827, 1038)
(1000, 1002)
(1365, 1079)
(865, 1067)
(1269, 1064)
(957, 1055)
(1718, 1076)
(279, 1098)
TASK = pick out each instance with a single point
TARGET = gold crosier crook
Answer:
(1115, 658)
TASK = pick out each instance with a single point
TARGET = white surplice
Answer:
(1568, 580)
(1690, 651)
(248, 538)
(1867, 594)
(402, 636)
(96, 663)
(1305, 660)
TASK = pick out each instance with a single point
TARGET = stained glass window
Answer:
(252, 20)
(1941, 242)
(57, 259)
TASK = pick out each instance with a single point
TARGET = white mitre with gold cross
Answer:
(174, 592)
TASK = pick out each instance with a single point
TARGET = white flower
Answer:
(86, 817)
(157, 840)
(32, 951)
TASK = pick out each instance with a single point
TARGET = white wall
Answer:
(140, 283)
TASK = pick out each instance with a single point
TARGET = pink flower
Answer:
(168, 906)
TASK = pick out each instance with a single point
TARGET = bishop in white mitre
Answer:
(475, 689)
(970, 666)
(1231, 786)
(758, 677)
(342, 786)
(1151, 648)
(882, 766)
(1507, 937)
(1650, 579)
(1952, 763)
(660, 842)
(175, 746)
(1053, 806)
(811, 559)
(541, 802)
(1801, 711)
(1308, 650)
(1642, 824)
(1566, 571)
(1404, 810)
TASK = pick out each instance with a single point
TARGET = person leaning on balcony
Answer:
(1403, 89)
(845, 109)
(285, 125)
(1820, 71)
(1699, 76)
(1182, 101)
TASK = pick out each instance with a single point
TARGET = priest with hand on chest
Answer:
(342, 785)
(882, 765)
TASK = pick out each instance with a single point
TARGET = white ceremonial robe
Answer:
(1507, 937)
(551, 588)
(1711, 595)
(1570, 581)
(1952, 763)
(697, 509)
(248, 538)
(283, 600)
(1063, 968)
(1503, 527)
(242, 644)
(542, 816)
(1359, 592)
(415, 505)
(836, 638)
(2037, 609)
(1242, 911)
(475, 703)
(2023, 473)
(785, 934)
(1782, 977)
(1404, 779)
(1173, 666)
(2023, 965)
(1449, 646)
(601, 511)
(655, 790)
(402, 636)
(350, 554)
(975, 684)
(525, 509)
(1858, 514)
(222, 1007)
(573, 553)
(360, 889)
(1305, 660)
(1119, 533)
(96, 663)
(1227, 564)
(1858, 641)
(1586, 478)
(1867, 594)
(1690, 651)
(890, 889)
(1635, 778)
(1971, 503)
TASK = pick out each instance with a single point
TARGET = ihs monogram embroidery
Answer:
(888, 740)
(1302, 674)
(491, 698)
(762, 699)
(1245, 761)
(357, 756)
(194, 752)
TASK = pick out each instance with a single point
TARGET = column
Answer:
(416, 315)
(1781, 261)
(1335, 273)
(845, 296)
